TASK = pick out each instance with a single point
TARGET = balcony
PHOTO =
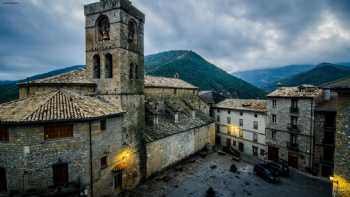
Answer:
(294, 128)
(294, 110)
(293, 146)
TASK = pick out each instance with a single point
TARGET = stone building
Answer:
(341, 177)
(300, 128)
(102, 129)
(241, 125)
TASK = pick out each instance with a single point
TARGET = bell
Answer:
(105, 36)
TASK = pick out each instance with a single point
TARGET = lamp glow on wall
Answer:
(124, 158)
(233, 130)
(341, 186)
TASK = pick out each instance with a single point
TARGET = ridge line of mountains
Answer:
(194, 69)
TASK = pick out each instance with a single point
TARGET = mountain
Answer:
(196, 70)
(263, 78)
(9, 89)
(322, 73)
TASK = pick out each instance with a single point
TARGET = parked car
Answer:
(281, 168)
(263, 171)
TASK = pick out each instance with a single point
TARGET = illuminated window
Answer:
(4, 134)
(103, 125)
(58, 131)
(103, 162)
(241, 133)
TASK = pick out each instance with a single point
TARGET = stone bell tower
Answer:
(115, 61)
(114, 47)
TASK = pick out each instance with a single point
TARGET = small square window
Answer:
(103, 162)
(241, 113)
(255, 115)
(103, 125)
(229, 111)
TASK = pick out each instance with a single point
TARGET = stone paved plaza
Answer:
(193, 177)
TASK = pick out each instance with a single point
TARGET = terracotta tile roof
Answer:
(151, 81)
(307, 91)
(243, 104)
(165, 109)
(73, 77)
(58, 105)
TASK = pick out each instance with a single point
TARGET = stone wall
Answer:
(159, 91)
(282, 134)
(31, 90)
(167, 151)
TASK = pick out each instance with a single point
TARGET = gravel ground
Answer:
(194, 176)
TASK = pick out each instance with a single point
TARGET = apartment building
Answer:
(300, 128)
(241, 124)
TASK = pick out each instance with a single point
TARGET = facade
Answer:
(341, 178)
(100, 130)
(241, 125)
(300, 128)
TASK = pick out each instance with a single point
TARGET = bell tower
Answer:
(114, 61)
(114, 47)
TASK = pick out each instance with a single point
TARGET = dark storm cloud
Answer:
(41, 35)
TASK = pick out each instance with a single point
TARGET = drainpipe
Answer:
(91, 173)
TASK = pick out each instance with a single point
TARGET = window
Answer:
(233, 142)
(58, 131)
(131, 71)
(131, 31)
(136, 71)
(118, 179)
(217, 110)
(293, 139)
(274, 103)
(255, 125)
(255, 150)
(103, 27)
(175, 91)
(241, 122)
(96, 67)
(255, 137)
(229, 111)
(262, 152)
(103, 125)
(273, 134)
(241, 147)
(109, 66)
(217, 118)
(4, 133)
(103, 162)
(294, 121)
(241, 113)
(255, 115)
(228, 142)
(274, 118)
(294, 103)
(228, 120)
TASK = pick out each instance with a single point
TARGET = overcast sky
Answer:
(41, 35)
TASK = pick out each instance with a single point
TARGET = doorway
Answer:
(292, 161)
(3, 181)
(272, 153)
(60, 174)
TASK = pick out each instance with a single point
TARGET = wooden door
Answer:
(292, 161)
(272, 153)
(3, 181)
(60, 174)
(241, 147)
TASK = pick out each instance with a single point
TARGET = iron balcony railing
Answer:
(294, 128)
(294, 110)
(293, 146)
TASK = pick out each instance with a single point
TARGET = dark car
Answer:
(281, 168)
(262, 171)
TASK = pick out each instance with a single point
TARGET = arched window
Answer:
(136, 71)
(108, 66)
(96, 67)
(131, 71)
(131, 31)
(102, 27)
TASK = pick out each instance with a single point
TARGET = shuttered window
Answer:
(4, 134)
(58, 131)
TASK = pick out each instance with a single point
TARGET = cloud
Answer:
(39, 35)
